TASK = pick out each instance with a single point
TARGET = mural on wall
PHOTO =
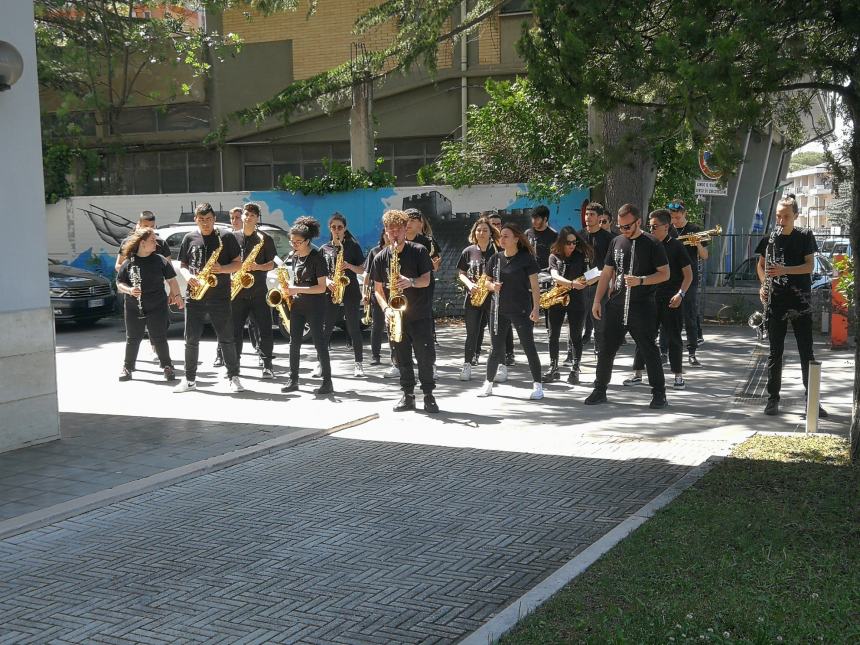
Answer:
(87, 231)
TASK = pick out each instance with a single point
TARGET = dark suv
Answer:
(79, 296)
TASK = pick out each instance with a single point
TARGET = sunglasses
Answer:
(627, 227)
(655, 226)
(570, 242)
(675, 206)
(603, 222)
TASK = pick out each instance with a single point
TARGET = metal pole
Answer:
(813, 396)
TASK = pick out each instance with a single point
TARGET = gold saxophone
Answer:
(367, 298)
(482, 290)
(396, 300)
(243, 278)
(205, 278)
(339, 279)
(558, 295)
(277, 298)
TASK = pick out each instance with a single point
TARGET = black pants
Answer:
(777, 326)
(589, 325)
(417, 337)
(575, 321)
(476, 322)
(377, 329)
(525, 332)
(669, 323)
(596, 325)
(256, 308)
(154, 323)
(219, 312)
(352, 317)
(314, 315)
(642, 324)
(509, 339)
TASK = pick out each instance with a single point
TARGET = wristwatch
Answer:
(412, 282)
(641, 280)
(682, 293)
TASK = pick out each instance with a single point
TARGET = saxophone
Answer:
(367, 298)
(277, 298)
(205, 278)
(396, 300)
(482, 290)
(243, 278)
(339, 279)
(558, 295)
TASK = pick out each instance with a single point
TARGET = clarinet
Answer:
(135, 279)
(626, 286)
(496, 276)
(770, 253)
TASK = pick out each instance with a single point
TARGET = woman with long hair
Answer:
(472, 265)
(570, 256)
(141, 278)
(516, 302)
(310, 272)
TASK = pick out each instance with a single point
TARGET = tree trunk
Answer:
(854, 232)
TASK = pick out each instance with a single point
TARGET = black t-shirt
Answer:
(473, 262)
(351, 254)
(306, 272)
(692, 251)
(791, 250)
(600, 242)
(153, 270)
(678, 259)
(414, 262)
(649, 255)
(266, 254)
(541, 241)
(514, 272)
(195, 250)
(570, 268)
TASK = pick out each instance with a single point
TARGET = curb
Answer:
(57, 512)
(492, 630)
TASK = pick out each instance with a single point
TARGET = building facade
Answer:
(812, 187)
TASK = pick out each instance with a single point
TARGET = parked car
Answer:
(836, 246)
(78, 295)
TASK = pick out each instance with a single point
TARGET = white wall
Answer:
(28, 390)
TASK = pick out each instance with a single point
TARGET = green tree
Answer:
(710, 69)
(805, 159)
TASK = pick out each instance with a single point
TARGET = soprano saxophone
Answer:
(396, 300)
(206, 279)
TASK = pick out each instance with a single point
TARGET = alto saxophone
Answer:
(339, 279)
(205, 278)
(558, 295)
(367, 298)
(243, 278)
(278, 298)
(396, 300)
(482, 290)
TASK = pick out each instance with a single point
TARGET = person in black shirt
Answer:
(418, 230)
(145, 220)
(649, 267)
(194, 252)
(141, 278)
(670, 295)
(570, 258)
(308, 291)
(510, 358)
(251, 302)
(413, 282)
(236, 225)
(599, 238)
(540, 236)
(377, 327)
(516, 302)
(698, 254)
(353, 260)
(471, 266)
(788, 266)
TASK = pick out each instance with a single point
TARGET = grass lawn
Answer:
(764, 549)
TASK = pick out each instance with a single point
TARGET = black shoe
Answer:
(693, 361)
(509, 360)
(169, 373)
(658, 401)
(292, 386)
(429, 403)
(573, 377)
(596, 397)
(219, 362)
(326, 387)
(376, 361)
(772, 407)
(553, 374)
(125, 374)
(406, 402)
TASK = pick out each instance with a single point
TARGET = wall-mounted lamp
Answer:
(11, 65)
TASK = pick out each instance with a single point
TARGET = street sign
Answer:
(705, 187)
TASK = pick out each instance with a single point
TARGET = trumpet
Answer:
(692, 239)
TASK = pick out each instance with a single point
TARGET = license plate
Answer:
(97, 302)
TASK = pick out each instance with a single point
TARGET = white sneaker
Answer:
(358, 371)
(392, 372)
(487, 390)
(466, 374)
(317, 373)
(537, 392)
(185, 386)
(235, 385)
(501, 374)
(268, 373)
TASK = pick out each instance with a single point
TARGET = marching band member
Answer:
(412, 281)
(471, 267)
(599, 238)
(669, 297)
(310, 276)
(418, 230)
(195, 253)
(516, 302)
(540, 236)
(569, 259)
(145, 220)
(353, 261)
(141, 278)
(635, 264)
(377, 329)
(236, 225)
(698, 254)
(251, 302)
(510, 359)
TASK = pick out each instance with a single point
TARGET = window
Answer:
(164, 118)
(176, 171)
(516, 6)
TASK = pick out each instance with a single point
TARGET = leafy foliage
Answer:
(677, 172)
(338, 177)
(845, 284)
(805, 159)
